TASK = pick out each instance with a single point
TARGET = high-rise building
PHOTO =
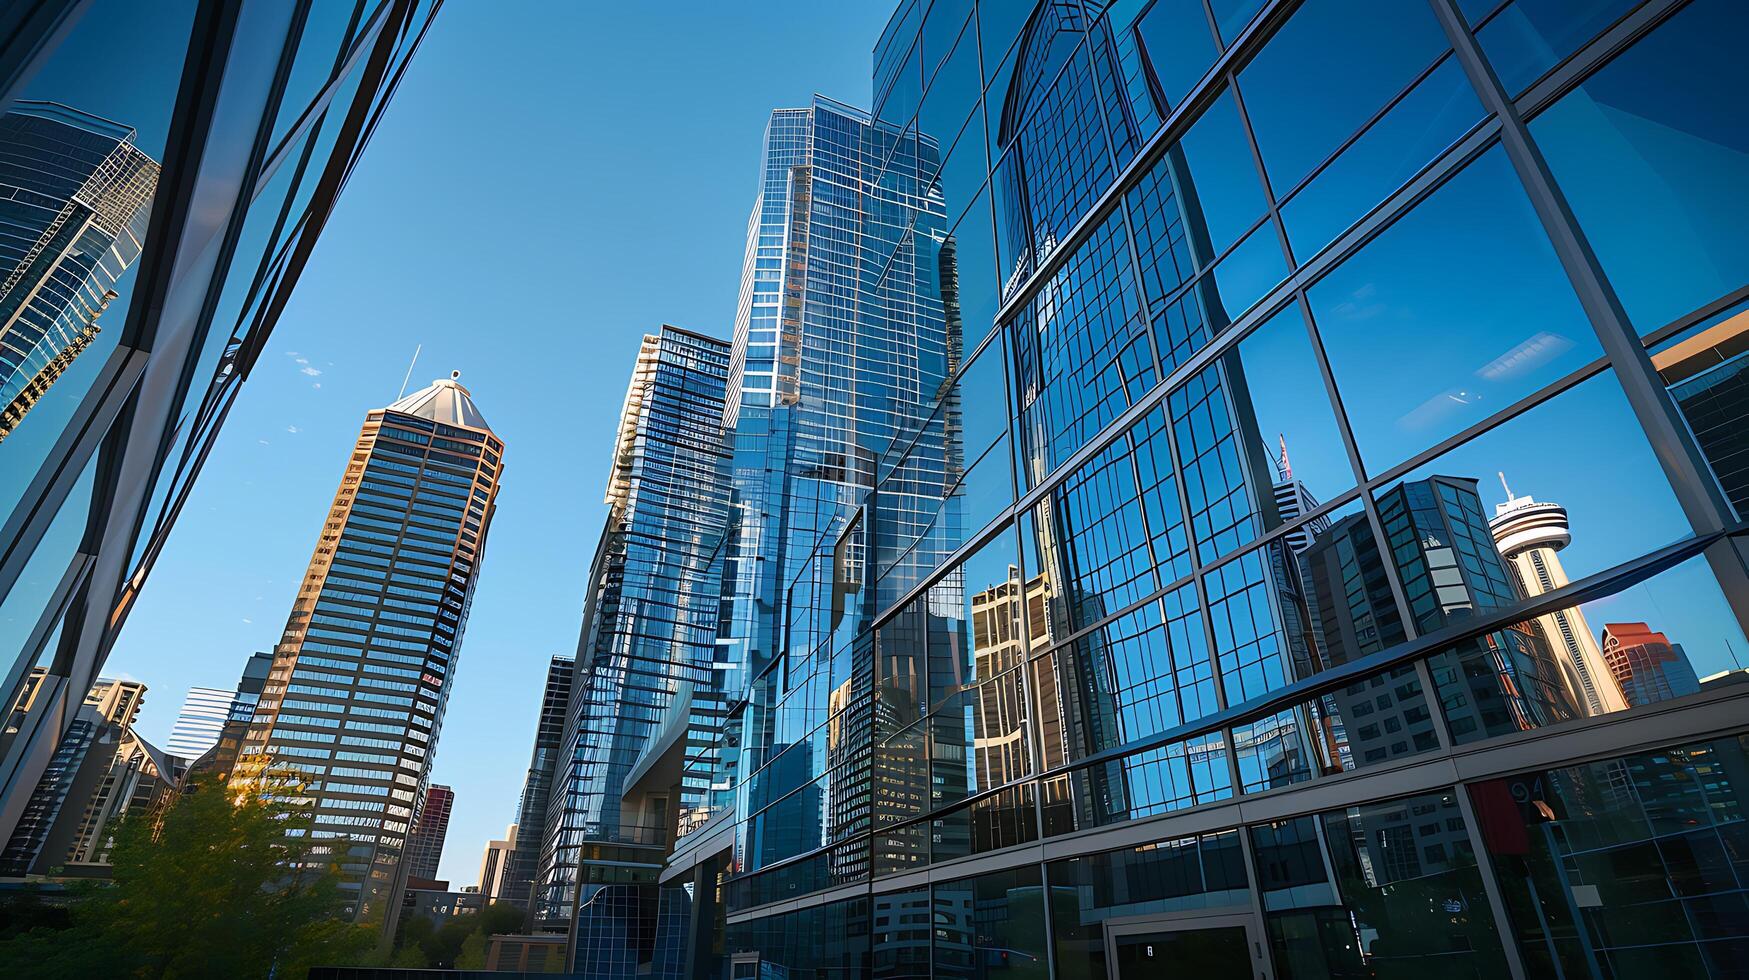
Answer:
(78, 191)
(221, 757)
(1708, 375)
(524, 861)
(430, 828)
(646, 704)
(495, 866)
(160, 195)
(1277, 719)
(1646, 664)
(90, 784)
(1529, 534)
(354, 705)
(204, 713)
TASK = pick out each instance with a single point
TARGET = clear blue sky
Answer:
(551, 182)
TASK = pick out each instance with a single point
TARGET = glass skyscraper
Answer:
(645, 697)
(165, 171)
(1054, 665)
(523, 864)
(349, 719)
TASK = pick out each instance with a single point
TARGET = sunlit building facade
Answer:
(349, 720)
(1153, 695)
(165, 172)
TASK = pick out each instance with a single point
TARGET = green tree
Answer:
(205, 891)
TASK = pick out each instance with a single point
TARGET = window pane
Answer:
(1669, 636)
(1173, 777)
(1458, 507)
(1219, 184)
(1361, 53)
(1169, 876)
(1531, 36)
(1707, 371)
(1662, 126)
(1243, 423)
(1435, 114)
(1461, 303)
(1175, 36)
(1126, 680)
(1080, 354)
(80, 172)
(1401, 894)
(1627, 865)
(991, 919)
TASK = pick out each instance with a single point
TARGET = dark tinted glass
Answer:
(1662, 126)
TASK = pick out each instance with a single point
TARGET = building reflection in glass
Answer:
(75, 196)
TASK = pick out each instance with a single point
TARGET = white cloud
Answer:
(312, 372)
(292, 429)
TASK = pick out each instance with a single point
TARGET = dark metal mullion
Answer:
(1503, 926)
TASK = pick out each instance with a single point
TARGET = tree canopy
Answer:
(208, 890)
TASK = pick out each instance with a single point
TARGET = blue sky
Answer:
(550, 183)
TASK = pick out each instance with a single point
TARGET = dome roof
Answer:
(443, 400)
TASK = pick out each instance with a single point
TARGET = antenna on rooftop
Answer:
(409, 375)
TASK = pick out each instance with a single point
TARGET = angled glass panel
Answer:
(1530, 37)
(1461, 304)
(1668, 637)
(1361, 52)
(1661, 126)
(1242, 426)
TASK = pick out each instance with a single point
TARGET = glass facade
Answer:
(348, 722)
(645, 703)
(1259, 505)
(165, 171)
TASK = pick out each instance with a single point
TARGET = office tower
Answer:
(78, 792)
(1646, 664)
(221, 757)
(1528, 535)
(1300, 699)
(78, 190)
(354, 704)
(524, 861)
(1708, 380)
(425, 846)
(204, 713)
(495, 866)
(157, 212)
(645, 703)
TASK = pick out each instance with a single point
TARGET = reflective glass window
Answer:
(62, 312)
(1080, 354)
(1706, 369)
(1219, 187)
(991, 926)
(978, 737)
(1175, 37)
(1179, 875)
(1529, 37)
(1002, 819)
(1172, 777)
(1362, 52)
(1145, 672)
(1667, 637)
(1503, 495)
(1393, 891)
(1662, 126)
(1251, 427)
(1461, 303)
(1438, 111)
(1627, 866)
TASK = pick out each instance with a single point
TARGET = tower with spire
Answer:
(1528, 534)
